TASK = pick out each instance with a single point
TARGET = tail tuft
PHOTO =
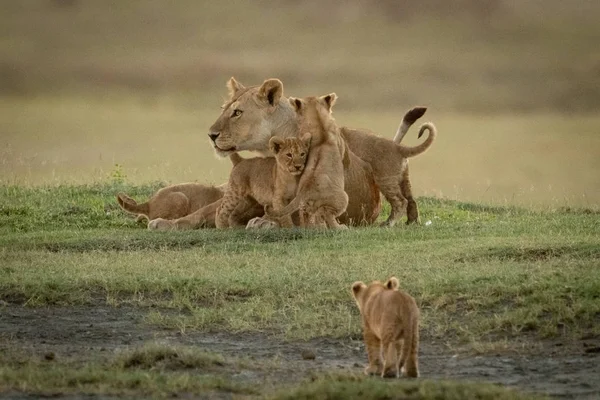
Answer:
(414, 114)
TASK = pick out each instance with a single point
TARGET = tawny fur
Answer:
(265, 181)
(390, 320)
(173, 201)
(320, 195)
(263, 112)
(389, 161)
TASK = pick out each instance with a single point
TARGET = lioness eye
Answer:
(302, 154)
(289, 155)
(237, 113)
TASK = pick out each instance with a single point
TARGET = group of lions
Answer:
(314, 173)
(320, 175)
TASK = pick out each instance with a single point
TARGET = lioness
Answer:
(264, 181)
(390, 320)
(173, 201)
(251, 116)
(320, 191)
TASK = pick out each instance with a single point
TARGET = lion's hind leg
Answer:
(412, 209)
(390, 187)
(410, 350)
(172, 206)
(389, 357)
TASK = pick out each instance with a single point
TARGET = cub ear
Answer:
(271, 91)
(329, 100)
(275, 144)
(357, 287)
(296, 104)
(392, 283)
(234, 86)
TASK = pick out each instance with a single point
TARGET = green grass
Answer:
(160, 371)
(478, 272)
(344, 387)
(153, 370)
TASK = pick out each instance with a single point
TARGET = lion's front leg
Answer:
(278, 204)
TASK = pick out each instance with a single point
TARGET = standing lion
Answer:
(390, 321)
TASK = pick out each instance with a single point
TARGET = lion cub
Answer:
(266, 181)
(173, 201)
(390, 321)
(320, 194)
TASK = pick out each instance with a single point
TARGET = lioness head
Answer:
(249, 117)
(362, 292)
(291, 153)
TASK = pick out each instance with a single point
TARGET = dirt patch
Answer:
(564, 370)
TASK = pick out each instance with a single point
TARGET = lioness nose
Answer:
(298, 167)
(213, 135)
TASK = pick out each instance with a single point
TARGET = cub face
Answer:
(291, 153)
(362, 292)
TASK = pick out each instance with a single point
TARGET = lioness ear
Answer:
(275, 144)
(392, 283)
(329, 100)
(357, 287)
(271, 90)
(296, 104)
(234, 87)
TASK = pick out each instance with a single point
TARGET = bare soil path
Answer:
(562, 370)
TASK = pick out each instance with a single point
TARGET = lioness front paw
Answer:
(160, 224)
(261, 223)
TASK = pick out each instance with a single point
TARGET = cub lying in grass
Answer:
(320, 194)
(390, 321)
(266, 181)
(173, 201)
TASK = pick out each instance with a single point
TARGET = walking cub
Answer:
(266, 181)
(390, 320)
(320, 193)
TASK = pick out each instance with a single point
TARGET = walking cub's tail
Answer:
(130, 205)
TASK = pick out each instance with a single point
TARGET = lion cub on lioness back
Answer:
(266, 181)
(390, 320)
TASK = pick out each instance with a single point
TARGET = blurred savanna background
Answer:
(91, 90)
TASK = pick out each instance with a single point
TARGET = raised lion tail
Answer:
(408, 152)
(130, 205)
(408, 120)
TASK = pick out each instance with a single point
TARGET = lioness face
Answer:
(291, 153)
(244, 122)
